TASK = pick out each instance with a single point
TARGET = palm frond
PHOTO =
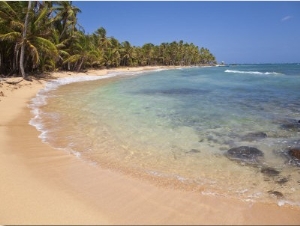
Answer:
(4, 6)
(72, 59)
(11, 36)
(5, 16)
(42, 15)
(46, 46)
(60, 46)
(34, 53)
(63, 53)
(16, 24)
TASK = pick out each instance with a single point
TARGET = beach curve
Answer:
(40, 185)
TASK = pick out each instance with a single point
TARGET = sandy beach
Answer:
(42, 185)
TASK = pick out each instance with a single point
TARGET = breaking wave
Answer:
(253, 72)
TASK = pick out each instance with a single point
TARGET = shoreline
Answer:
(42, 185)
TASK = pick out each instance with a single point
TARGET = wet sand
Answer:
(42, 185)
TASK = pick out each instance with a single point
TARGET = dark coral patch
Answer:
(245, 154)
(254, 136)
(282, 181)
(269, 171)
(291, 125)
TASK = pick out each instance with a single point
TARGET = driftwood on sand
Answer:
(13, 82)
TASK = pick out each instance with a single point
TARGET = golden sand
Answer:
(42, 185)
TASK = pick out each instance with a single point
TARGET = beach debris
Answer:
(254, 136)
(1, 94)
(245, 154)
(277, 194)
(269, 171)
(13, 82)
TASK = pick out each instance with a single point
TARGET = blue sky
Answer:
(235, 32)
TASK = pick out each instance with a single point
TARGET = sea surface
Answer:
(175, 127)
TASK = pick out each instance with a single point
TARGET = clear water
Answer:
(175, 126)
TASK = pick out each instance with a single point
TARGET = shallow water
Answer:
(175, 126)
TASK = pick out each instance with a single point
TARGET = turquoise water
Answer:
(176, 126)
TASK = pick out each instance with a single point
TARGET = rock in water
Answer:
(245, 154)
(277, 194)
(282, 181)
(295, 153)
(254, 136)
(291, 125)
(193, 151)
(268, 171)
(293, 156)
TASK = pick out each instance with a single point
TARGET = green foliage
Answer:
(54, 40)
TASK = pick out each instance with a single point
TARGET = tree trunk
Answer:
(23, 42)
(16, 60)
(80, 64)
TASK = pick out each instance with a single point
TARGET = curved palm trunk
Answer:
(80, 65)
(23, 42)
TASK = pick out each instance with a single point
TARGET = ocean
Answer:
(223, 131)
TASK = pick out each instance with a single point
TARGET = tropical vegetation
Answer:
(38, 36)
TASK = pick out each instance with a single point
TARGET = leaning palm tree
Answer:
(28, 32)
(65, 28)
(11, 32)
(24, 32)
(65, 18)
(83, 51)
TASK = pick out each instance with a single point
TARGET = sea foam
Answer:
(41, 98)
(252, 72)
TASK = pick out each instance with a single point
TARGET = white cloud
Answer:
(286, 18)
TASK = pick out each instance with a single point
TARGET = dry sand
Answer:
(42, 185)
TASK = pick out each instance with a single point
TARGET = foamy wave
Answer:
(286, 202)
(41, 98)
(252, 72)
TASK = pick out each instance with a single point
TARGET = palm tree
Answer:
(206, 57)
(83, 52)
(24, 32)
(128, 54)
(37, 36)
(103, 41)
(114, 52)
(11, 33)
(29, 32)
(65, 28)
(148, 53)
(65, 18)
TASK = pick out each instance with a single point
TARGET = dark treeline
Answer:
(44, 36)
